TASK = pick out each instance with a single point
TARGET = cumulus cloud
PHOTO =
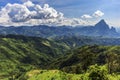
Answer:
(28, 10)
(29, 13)
(86, 16)
(28, 4)
(71, 21)
(98, 13)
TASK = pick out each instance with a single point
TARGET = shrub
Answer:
(97, 73)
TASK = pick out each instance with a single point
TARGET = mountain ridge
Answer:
(100, 29)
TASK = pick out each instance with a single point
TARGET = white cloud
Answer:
(18, 13)
(70, 21)
(28, 10)
(86, 16)
(29, 13)
(98, 13)
(45, 13)
(28, 4)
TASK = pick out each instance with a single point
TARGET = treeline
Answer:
(79, 60)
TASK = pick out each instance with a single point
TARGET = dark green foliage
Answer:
(97, 73)
(79, 59)
(113, 62)
(77, 41)
(18, 50)
(70, 61)
(20, 54)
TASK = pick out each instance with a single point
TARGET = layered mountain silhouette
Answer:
(100, 29)
(103, 29)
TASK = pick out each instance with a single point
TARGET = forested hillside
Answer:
(84, 63)
(77, 41)
(19, 53)
(80, 59)
(32, 58)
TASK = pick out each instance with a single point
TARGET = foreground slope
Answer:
(22, 56)
(84, 63)
(59, 75)
(20, 53)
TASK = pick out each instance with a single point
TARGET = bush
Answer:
(97, 73)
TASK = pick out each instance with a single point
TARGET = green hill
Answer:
(80, 59)
(19, 53)
(77, 41)
(34, 58)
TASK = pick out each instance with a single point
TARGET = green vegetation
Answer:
(77, 41)
(79, 60)
(94, 72)
(34, 58)
(19, 54)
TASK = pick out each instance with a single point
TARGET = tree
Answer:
(97, 73)
(112, 62)
(87, 59)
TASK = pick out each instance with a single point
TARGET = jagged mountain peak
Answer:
(100, 29)
(102, 21)
(102, 25)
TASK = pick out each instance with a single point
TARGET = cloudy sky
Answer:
(59, 12)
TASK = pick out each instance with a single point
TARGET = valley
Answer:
(30, 58)
(59, 40)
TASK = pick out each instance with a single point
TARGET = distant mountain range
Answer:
(100, 29)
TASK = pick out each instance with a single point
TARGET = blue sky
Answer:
(76, 8)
